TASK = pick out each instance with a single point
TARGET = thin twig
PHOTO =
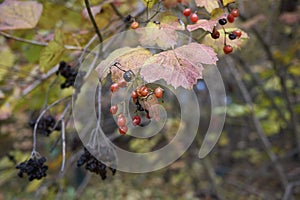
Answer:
(40, 117)
(257, 124)
(33, 42)
(289, 190)
(63, 143)
(88, 7)
(116, 10)
(259, 82)
(37, 82)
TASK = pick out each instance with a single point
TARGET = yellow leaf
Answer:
(209, 5)
(6, 63)
(19, 14)
(216, 13)
(226, 2)
(150, 3)
(33, 185)
(52, 54)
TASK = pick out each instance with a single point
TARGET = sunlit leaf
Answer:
(226, 2)
(150, 3)
(52, 54)
(179, 67)
(158, 35)
(6, 53)
(19, 14)
(218, 44)
(209, 5)
(129, 59)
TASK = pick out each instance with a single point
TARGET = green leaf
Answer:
(52, 54)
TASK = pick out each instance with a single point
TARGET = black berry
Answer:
(232, 36)
(34, 168)
(222, 21)
(93, 165)
(128, 75)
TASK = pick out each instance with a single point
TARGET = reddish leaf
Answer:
(179, 67)
(205, 24)
(19, 14)
(209, 5)
(129, 59)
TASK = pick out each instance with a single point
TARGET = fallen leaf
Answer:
(209, 5)
(52, 53)
(19, 14)
(219, 43)
(129, 59)
(179, 67)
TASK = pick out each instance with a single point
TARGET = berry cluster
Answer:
(93, 165)
(68, 72)
(45, 125)
(232, 35)
(188, 13)
(34, 168)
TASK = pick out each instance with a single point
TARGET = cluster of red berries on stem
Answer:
(193, 16)
(232, 35)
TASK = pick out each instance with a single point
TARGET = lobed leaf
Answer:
(52, 53)
(179, 67)
(129, 58)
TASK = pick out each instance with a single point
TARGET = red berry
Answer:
(123, 130)
(122, 83)
(215, 34)
(134, 94)
(194, 17)
(227, 49)
(114, 87)
(235, 12)
(145, 92)
(230, 18)
(121, 120)
(113, 109)
(139, 90)
(187, 12)
(136, 120)
(158, 92)
(238, 33)
(134, 25)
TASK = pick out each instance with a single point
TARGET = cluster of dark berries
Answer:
(70, 74)
(93, 165)
(45, 125)
(34, 168)
(232, 35)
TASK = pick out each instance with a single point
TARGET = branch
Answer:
(257, 124)
(88, 7)
(289, 190)
(259, 82)
(33, 42)
(116, 11)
